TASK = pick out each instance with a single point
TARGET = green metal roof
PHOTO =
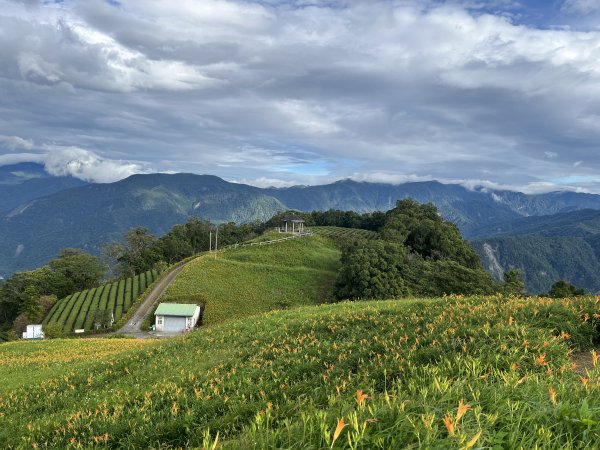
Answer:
(175, 309)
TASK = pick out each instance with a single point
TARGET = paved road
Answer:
(133, 326)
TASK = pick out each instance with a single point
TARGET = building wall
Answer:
(176, 323)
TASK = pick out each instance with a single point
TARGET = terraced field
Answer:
(344, 233)
(77, 311)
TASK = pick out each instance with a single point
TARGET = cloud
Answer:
(15, 142)
(389, 178)
(581, 6)
(264, 182)
(303, 92)
(17, 158)
(79, 163)
(86, 165)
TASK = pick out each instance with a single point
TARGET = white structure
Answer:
(176, 317)
(33, 332)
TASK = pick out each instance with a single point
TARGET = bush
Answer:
(53, 331)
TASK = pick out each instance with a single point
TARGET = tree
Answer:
(30, 303)
(513, 283)
(372, 269)
(75, 270)
(53, 331)
(136, 254)
(20, 324)
(439, 277)
(12, 292)
(419, 254)
(562, 289)
(103, 318)
(425, 233)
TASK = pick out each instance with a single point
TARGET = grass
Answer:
(482, 372)
(39, 362)
(251, 280)
(77, 311)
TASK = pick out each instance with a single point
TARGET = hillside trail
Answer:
(133, 326)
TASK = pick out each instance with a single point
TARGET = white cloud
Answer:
(581, 6)
(17, 158)
(303, 91)
(389, 178)
(86, 165)
(15, 142)
(264, 182)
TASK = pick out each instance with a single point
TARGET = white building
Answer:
(33, 332)
(176, 317)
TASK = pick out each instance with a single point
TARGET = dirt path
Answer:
(133, 326)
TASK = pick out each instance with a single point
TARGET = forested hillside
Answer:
(546, 249)
(87, 216)
(21, 183)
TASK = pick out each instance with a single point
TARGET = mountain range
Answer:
(21, 183)
(41, 214)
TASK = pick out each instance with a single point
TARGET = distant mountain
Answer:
(88, 216)
(548, 248)
(21, 183)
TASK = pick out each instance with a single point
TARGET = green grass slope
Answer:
(251, 280)
(486, 372)
(38, 363)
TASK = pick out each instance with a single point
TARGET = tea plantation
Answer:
(78, 310)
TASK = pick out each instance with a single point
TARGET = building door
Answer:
(173, 324)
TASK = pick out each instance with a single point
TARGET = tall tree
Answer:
(513, 282)
(75, 270)
(424, 232)
(30, 303)
(136, 254)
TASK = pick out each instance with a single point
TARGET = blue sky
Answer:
(500, 93)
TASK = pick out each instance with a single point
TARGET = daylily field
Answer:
(453, 372)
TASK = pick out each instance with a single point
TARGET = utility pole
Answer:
(217, 241)
(210, 242)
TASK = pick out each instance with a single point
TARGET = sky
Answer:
(503, 93)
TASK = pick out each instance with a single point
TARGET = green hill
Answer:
(486, 372)
(251, 280)
(77, 310)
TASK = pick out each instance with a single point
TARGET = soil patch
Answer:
(584, 362)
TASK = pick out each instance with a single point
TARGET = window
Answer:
(159, 320)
